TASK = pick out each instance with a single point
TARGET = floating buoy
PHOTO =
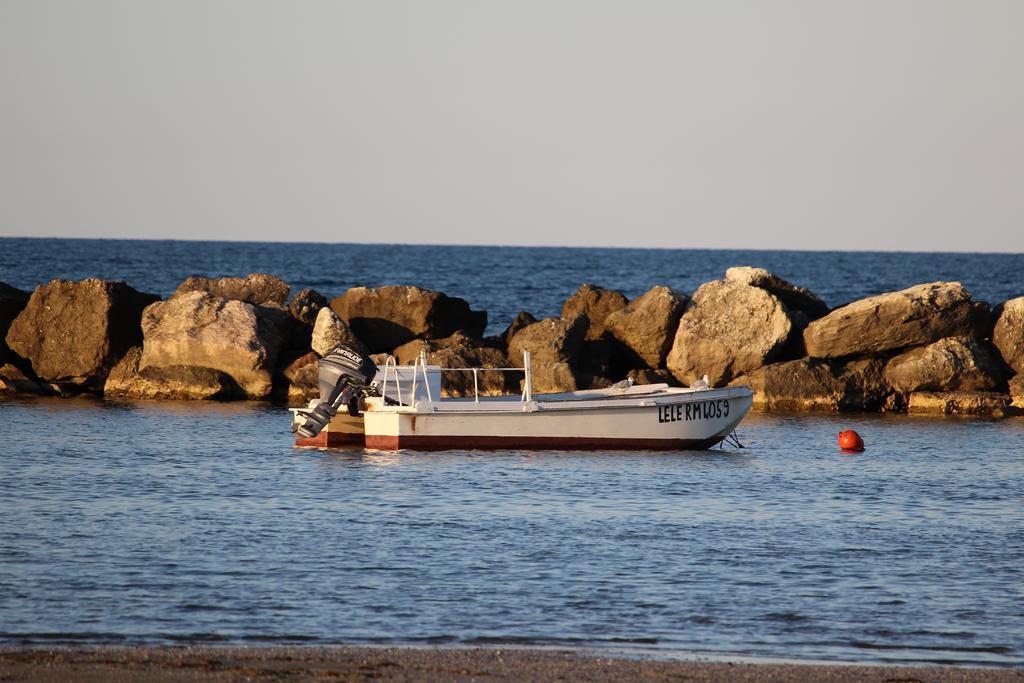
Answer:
(851, 441)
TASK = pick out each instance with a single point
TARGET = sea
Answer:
(173, 522)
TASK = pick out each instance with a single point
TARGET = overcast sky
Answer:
(804, 124)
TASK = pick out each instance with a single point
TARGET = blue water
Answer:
(165, 523)
(501, 280)
(168, 522)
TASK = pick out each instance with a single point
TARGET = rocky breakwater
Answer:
(928, 348)
(223, 338)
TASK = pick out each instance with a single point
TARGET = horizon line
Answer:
(508, 246)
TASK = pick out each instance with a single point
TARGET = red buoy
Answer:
(851, 441)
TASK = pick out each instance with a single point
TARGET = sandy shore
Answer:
(159, 664)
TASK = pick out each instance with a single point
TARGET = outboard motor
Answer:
(345, 375)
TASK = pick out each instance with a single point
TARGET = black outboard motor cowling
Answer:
(345, 374)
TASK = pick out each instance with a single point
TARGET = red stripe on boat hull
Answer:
(328, 439)
(442, 443)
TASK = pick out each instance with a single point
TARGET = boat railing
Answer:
(391, 368)
(420, 365)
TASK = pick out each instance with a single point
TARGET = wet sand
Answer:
(217, 664)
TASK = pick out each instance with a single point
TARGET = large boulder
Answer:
(549, 340)
(200, 330)
(176, 382)
(554, 345)
(258, 289)
(803, 305)
(912, 317)
(597, 303)
(268, 294)
(330, 330)
(647, 325)
(975, 403)
(384, 318)
(728, 330)
(1008, 333)
(796, 298)
(814, 384)
(12, 302)
(950, 364)
(73, 333)
(800, 385)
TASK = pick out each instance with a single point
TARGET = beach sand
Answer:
(160, 664)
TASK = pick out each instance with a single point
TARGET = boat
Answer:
(400, 407)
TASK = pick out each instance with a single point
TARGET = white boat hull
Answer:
(667, 420)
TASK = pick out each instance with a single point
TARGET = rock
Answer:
(1017, 390)
(488, 383)
(977, 403)
(306, 305)
(267, 293)
(330, 330)
(647, 325)
(12, 379)
(305, 388)
(73, 333)
(522, 319)
(950, 364)
(552, 377)
(297, 367)
(802, 304)
(1008, 333)
(176, 382)
(407, 353)
(814, 384)
(597, 303)
(258, 289)
(728, 330)
(866, 387)
(800, 385)
(796, 298)
(462, 351)
(384, 318)
(549, 340)
(197, 329)
(12, 302)
(303, 375)
(912, 317)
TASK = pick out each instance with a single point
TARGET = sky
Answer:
(750, 124)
